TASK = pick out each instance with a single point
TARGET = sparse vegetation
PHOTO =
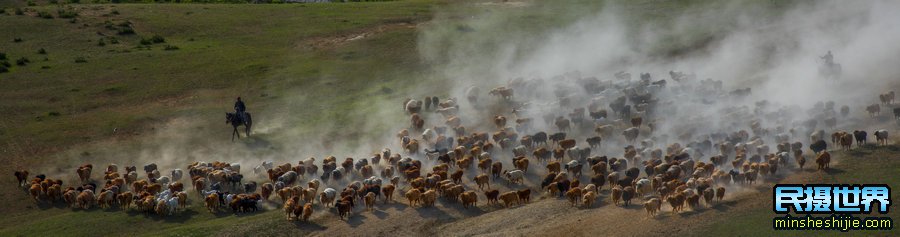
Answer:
(156, 39)
(45, 15)
(22, 61)
(66, 13)
(124, 29)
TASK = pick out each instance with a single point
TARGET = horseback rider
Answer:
(829, 59)
(239, 109)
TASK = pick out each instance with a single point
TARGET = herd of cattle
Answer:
(542, 141)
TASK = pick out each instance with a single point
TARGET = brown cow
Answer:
(500, 121)
(553, 167)
(636, 122)
(524, 195)
(482, 180)
(492, 196)
(469, 198)
(21, 177)
(509, 198)
(388, 191)
(823, 160)
(567, 143)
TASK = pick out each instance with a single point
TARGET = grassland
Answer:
(290, 60)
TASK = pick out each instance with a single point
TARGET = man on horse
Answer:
(829, 59)
(239, 109)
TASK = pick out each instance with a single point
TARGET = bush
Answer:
(80, 60)
(101, 43)
(74, 1)
(31, 3)
(42, 51)
(19, 11)
(45, 67)
(17, 40)
(157, 39)
(22, 61)
(113, 40)
(126, 30)
(2, 56)
(45, 15)
(5, 63)
(146, 42)
(66, 13)
(171, 47)
(3, 69)
(53, 114)
(54, 1)
(115, 12)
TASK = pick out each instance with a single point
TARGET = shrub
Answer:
(74, 1)
(22, 61)
(63, 13)
(17, 40)
(42, 51)
(145, 41)
(2, 56)
(45, 67)
(171, 47)
(31, 3)
(115, 12)
(157, 39)
(126, 30)
(53, 114)
(54, 1)
(101, 42)
(80, 60)
(5, 64)
(45, 15)
(19, 11)
(3, 69)
(113, 40)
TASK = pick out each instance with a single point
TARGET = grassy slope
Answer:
(225, 50)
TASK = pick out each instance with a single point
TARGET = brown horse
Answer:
(236, 121)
